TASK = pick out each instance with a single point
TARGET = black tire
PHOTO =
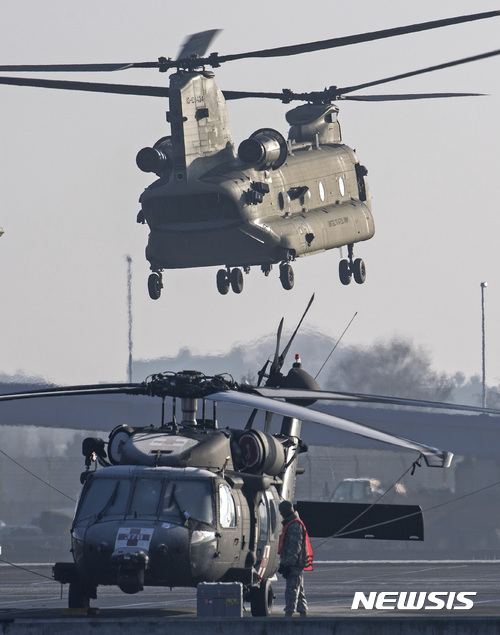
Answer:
(78, 596)
(154, 286)
(261, 599)
(286, 276)
(345, 274)
(359, 270)
(222, 282)
(237, 280)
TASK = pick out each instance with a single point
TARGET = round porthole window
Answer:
(321, 191)
(341, 186)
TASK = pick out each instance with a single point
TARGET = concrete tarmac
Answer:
(30, 599)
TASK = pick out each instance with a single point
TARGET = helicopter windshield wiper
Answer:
(109, 503)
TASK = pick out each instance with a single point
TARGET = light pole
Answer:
(129, 306)
(483, 287)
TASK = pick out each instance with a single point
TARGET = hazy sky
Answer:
(70, 186)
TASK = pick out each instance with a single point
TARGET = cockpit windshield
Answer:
(172, 500)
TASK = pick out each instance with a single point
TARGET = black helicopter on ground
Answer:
(272, 201)
(189, 501)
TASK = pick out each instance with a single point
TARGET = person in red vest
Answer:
(296, 556)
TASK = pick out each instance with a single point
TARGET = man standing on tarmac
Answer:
(296, 556)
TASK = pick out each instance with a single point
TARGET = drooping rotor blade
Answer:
(421, 71)
(408, 96)
(71, 391)
(433, 456)
(94, 87)
(297, 394)
(297, 49)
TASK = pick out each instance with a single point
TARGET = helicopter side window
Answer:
(146, 497)
(104, 497)
(264, 521)
(321, 188)
(227, 510)
(273, 516)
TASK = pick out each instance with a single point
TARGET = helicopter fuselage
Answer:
(271, 202)
(138, 526)
(313, 205)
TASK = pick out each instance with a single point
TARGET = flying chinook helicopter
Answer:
(187, 501)
(272, 201)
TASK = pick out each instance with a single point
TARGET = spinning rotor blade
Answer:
(297, 394)
(421, 71)
(334, 93)
(408, 96)
(69, 68)
(433, 456)
(309, 47)
(196, 45)
(94, 87)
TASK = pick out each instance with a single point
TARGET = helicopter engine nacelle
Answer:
(257, 452)
(157, 159)
(265, 148)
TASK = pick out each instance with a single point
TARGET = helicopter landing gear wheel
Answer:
(236, 277)
(223, 281)
(286, 276)
(78, 596)
(155, 285)
(261, 599)
(359, 270)
(345, 274)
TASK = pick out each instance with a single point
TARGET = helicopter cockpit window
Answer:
(187, 499)
(104, 497)
(146, 497)
(227, 510)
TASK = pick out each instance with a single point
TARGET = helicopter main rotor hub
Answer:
(188, 384)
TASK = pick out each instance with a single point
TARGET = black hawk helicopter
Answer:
(188, 501)
(272, 201)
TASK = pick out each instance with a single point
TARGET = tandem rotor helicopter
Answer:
(274, 199)
(188, 501)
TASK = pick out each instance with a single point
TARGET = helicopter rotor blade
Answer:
(276, 358)
(94, 87)
(434, 457)
(70, 68)
(196, 45)
(408, 96)
(287, 347)
(309, 47)
(71, 391)
(298, 394)
(421, 71)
